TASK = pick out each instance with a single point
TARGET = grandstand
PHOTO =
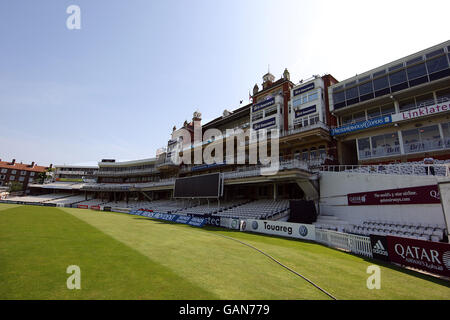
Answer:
(432, 232)
(68, 200)
(45, 198)
(258, 209)
(329, 149)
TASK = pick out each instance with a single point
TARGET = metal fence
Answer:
(400, 169)
(345, 241)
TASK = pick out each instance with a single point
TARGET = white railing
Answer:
(127, 172)
(79, 172)
(345, 241)
(426, 103)
(401, 169)
(122, 186)
(251, 171)
(165, 182)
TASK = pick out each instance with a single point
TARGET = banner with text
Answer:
(429, 256)
(421, 112)
(411, 195)
(280, 228)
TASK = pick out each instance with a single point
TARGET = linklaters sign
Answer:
(280, 228)
(421, 112)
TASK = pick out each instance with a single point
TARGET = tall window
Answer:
(385, 144)
(422, 139)
(364, 148)
(443, 95)
(305, 155)
(446, 132)
(322, 152)
(313, 153)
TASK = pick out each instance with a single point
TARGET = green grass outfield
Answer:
(128, 257)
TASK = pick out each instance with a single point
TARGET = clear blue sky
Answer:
(115, 88)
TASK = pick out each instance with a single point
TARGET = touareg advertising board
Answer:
(280, 228)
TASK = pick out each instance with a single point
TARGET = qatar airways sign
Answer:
(421, 112)
(425, 255)
(412, 195)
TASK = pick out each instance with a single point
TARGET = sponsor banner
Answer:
(280, 228)
(148, 214)
(83, 206)
(433, 257)
(171, 142)
(412, 195)
(209, 219)
(263, 104)
(213, 221)
(197, 222)
(305, 111)
(163, 216)
(421, 112)
(207, 166)
(264, 124)
(95, 207)
(106, 208)
(361, 125)
(229, 223)
(379, 247)
(183, 219)
(304, 89)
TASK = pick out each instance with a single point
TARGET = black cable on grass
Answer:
(284, 266)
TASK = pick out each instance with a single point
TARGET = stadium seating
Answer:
(68, 200)
(213, 208)
(40, 198)
(431, 232)
(259, 209)
(92, 202)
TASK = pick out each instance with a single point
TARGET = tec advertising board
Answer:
(280, 228)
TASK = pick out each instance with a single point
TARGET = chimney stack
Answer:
(13, 161)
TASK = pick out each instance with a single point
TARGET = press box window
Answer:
(257, 116)
(270, 112)
(364, 148)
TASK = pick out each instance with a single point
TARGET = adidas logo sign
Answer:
(379, 248)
